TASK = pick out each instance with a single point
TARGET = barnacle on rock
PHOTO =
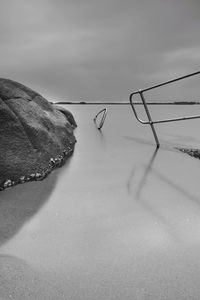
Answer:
(7, 183)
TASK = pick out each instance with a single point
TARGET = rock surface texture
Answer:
(35, 135)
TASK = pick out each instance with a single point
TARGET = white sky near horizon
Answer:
(75, 50)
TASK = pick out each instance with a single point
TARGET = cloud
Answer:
(96, 50)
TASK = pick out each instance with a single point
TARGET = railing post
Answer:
(149, 118)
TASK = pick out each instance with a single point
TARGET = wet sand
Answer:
(119, 221)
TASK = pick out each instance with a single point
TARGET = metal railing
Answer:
(140, 92)
(104, 114)
(150, 121)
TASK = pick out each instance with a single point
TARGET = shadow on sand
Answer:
(20, 203)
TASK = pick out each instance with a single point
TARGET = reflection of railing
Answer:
(150, 121)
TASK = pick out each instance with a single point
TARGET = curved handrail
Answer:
(150, 121)
(104, 111)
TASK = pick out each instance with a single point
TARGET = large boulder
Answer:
(35, 135)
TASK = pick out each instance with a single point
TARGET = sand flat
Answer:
(119, 221)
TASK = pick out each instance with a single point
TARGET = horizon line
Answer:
(127, 103)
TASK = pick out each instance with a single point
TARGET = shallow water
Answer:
(119, 221)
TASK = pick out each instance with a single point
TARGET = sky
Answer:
(92, 50)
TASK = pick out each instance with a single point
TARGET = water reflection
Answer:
(148, 170)
(140, 187)
(153, 204)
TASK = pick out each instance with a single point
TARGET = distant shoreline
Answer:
(127, 103)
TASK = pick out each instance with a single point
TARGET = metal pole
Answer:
(149, 118)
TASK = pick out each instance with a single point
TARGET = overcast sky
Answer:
(88, 50)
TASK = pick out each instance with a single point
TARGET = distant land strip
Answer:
(128, 103)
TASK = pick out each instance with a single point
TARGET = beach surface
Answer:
(121, 220)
